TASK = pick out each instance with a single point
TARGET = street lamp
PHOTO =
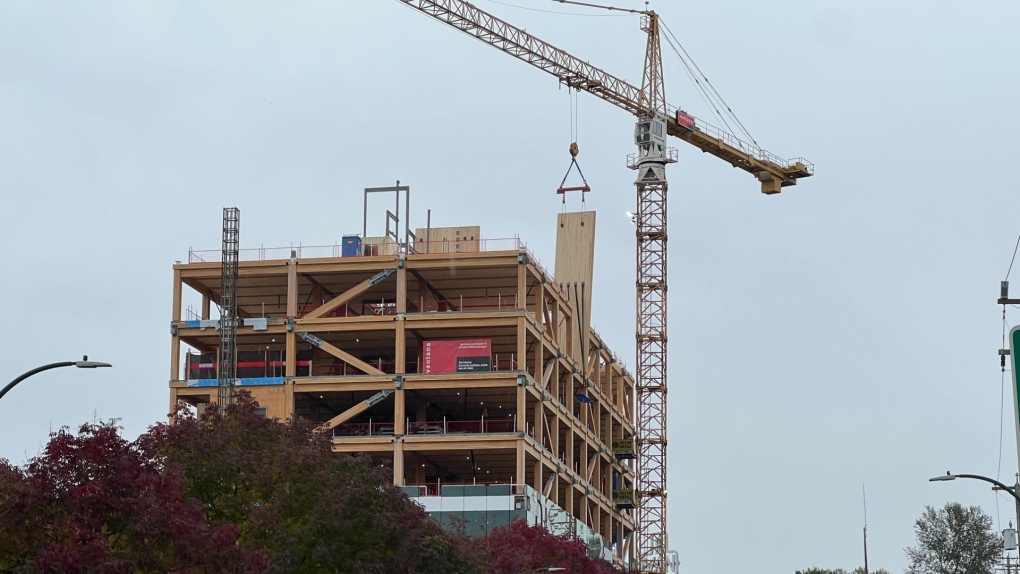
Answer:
(84, 363)
(948, 476)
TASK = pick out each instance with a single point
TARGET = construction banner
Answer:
(460, 356)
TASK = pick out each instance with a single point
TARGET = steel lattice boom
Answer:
(770, 169)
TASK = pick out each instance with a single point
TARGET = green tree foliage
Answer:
(954, 540)
(310, 509)
(858, 570)
(238, 494)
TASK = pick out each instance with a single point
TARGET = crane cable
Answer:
(705, 97)
(1002, 381)
(708, 82)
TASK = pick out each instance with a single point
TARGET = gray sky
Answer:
(843, 332)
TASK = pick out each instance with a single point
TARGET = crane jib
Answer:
(581, 75)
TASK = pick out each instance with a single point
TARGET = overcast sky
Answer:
(839, 334)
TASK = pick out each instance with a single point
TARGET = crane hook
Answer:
(574, 150)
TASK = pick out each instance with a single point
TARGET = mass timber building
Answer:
(459, 362)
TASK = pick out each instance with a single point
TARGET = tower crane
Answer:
(655, 120)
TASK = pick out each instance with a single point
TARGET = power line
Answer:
(1013, 258)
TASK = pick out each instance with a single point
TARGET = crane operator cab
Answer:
(650, 131)
(650, 137)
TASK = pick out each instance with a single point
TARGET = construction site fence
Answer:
(336, 250)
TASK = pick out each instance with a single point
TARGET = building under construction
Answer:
(459, 361)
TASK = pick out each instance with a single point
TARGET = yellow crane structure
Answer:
(656, 120)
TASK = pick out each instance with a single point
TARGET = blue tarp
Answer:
(262, 381)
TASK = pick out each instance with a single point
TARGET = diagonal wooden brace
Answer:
(341, 354)
(356, 410)
(350, 294)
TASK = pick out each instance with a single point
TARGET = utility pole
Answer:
(1015, 490)
(864, 494)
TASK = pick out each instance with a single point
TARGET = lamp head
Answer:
(85, 363)
(943, 478)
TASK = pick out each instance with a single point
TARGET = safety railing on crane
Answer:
(746, 147)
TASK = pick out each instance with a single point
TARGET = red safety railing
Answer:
(494, 302)
(364, 429)
(481, 426)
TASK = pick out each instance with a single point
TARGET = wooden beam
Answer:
(341, 354)
(350, 294)
(356, 409)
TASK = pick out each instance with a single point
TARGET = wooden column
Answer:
(206, 306)
(519, 477)
(401, 286)
(539, 423)
(538, 358)
(175, 341)
(176, 312)
(419, 470)
(399, 413)
(398, 462)
(175, 358)
(569, 448)
(522, 285)
(569, 502)
(291, 338)
(522, 398)
(400, 358)
(536, 481)
(173, 402)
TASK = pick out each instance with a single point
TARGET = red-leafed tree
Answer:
(311, 510)
(523, 549)
(93, 502)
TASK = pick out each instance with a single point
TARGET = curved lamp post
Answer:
(949, 476)
(84, 363)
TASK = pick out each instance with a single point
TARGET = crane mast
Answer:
(656, 121)
(650, 164)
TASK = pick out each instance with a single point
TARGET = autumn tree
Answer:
(93, 502)
(954, 540)
(523, 549)
(310, 509)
